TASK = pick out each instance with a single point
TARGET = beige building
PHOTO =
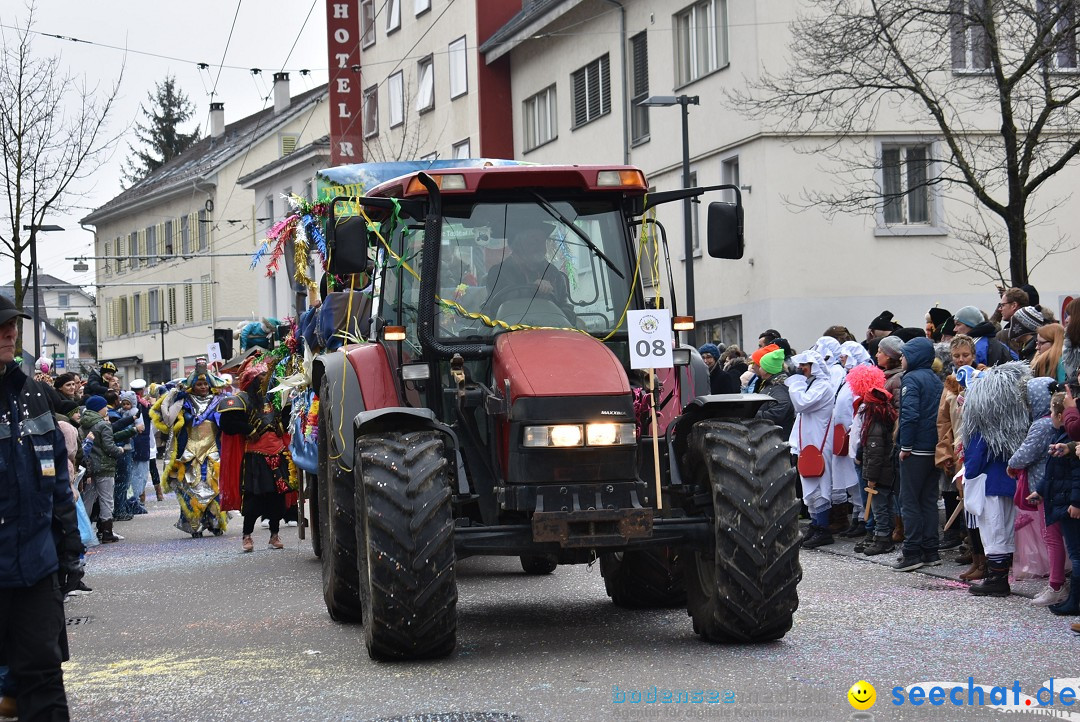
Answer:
(174, 250)
(581, 66)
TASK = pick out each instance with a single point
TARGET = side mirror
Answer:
(725, 230)
(347, 243)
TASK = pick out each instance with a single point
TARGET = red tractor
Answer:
(491, 409)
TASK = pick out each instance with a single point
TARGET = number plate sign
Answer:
(650, 338)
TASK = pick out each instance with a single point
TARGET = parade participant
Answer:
(39, 536)
(192, 457)
(265, 473)
(811, 394)
(995, 422)
(144, 439)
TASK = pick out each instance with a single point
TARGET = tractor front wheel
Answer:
(406, 538)
(644, 579)
(745, 588)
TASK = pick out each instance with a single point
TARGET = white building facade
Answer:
(175, 249)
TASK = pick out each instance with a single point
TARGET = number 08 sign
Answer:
(650, 338)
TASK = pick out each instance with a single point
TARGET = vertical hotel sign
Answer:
(343, 43)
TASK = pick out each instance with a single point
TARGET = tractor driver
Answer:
(527, 267)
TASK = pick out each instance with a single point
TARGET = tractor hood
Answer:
(545, 362)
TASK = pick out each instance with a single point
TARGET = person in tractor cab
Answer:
(527, 267)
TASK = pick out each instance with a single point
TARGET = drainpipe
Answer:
(625, 99)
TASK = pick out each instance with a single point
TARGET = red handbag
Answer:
(839, 440)
(811, 462)
(1022, 492)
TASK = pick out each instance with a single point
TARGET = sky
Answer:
(148, 41)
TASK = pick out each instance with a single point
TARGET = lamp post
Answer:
(34, 229)
(163, 326)
(684, 101)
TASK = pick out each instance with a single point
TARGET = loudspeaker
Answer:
(223, 338)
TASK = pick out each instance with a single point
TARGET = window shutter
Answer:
(640, 51)
(130, 314)
(605, 86)
(144, 322)
(581, 109)
(206, 298)
(172, 305)
(142, 248)
(957, 31)
(288, 144)
(108, 261)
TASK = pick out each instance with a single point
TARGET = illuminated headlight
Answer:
(609, 434)
(560, 435)
(563, 435)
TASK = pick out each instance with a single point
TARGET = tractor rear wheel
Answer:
(406, 538)
(745, 588)
(341, 581)
(539, 564)
(644, 579)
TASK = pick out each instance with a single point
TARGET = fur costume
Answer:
(996, 406)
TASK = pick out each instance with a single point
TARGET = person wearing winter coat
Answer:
(768, 364)
(988, 350)
(97, 383)
(920, 392)
(1059, 494)
(995, 423)
(101, 464)
(947, 452)
(1032, 457)
(863, 380)
(811, 394)
(720, 382)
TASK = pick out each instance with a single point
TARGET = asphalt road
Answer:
(193, 629)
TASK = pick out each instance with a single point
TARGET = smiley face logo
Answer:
(862, 695)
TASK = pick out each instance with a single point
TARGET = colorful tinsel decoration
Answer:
(302, 228)
(567, 258)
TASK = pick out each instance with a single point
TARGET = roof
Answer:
(531, 17)
(206, 156)
(314, 149)
(47, 281)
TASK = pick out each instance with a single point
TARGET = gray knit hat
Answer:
(890, 346)
(1026, 320)
(969, 316)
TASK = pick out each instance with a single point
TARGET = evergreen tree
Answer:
(159, 136)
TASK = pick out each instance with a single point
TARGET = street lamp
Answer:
(685, 101)
(34, 271)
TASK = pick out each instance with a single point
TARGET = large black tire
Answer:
(538, 564)
(341, 579)
(407, 579)
(746, 589)
(311, 506)
(644, 579)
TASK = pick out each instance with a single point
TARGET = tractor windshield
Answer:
(540, 263)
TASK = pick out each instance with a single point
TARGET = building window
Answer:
(136, 313)
(207, 298)
(462, 149)
(700, 40)
(430, 156)
(969, 39)
(153, 300)
(172, 305)
(726, 330)
(639, 87)
(288, 145)
(592, 91)
(393, 15)
(540, 120)
(367, 23)
(63, 300)
(421, 6)
(459, 68)
(124, 319)
(906, 172)
(371, 112)
(189, 302)
(425, 90)
(1060, 16)
(269, 212)
(729, 176)
(395, 94)
(168, 241)
(185, 235)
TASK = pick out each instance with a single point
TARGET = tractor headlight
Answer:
(609, 434)
(565, 435)
(555, 435)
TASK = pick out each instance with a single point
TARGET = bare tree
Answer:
(52, 134)
(992, 82)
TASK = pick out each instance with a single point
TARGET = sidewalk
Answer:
(949, 568)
